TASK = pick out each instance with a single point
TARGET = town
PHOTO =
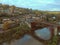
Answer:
(15, 22)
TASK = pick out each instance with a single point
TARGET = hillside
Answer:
(22, 11)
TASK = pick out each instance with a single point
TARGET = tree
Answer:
(6, 25)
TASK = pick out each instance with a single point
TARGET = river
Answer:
(28, 40)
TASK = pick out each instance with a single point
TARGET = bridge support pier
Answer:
(55, 31)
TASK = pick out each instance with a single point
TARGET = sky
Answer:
(46, 5)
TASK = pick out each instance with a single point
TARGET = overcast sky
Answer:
(52, 5)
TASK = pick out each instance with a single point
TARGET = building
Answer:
(4, 20)
(11, 9)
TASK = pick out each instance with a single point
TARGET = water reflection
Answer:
(19, 41)
(43, 33)
(28, 40)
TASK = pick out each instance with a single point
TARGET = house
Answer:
(11, 9)
(5, 19)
